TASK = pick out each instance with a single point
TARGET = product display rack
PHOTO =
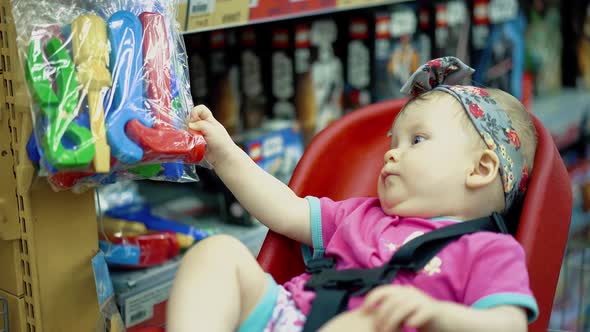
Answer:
(47, 239)
(235, 13)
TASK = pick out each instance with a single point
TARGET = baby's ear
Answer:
(484, 171)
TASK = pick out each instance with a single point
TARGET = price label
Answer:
(200, 7)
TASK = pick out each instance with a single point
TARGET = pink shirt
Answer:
(481, 270)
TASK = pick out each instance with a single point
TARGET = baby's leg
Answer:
(217, 285)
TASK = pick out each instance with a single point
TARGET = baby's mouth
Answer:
(385, 175)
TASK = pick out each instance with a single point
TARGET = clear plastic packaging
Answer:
(132, 236)
(110, 93)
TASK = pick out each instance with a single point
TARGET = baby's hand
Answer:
(219, 142)
(396, 306)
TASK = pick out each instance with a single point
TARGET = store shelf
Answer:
(47, 239)
(234, 13)
(562, 114)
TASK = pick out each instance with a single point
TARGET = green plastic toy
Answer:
(58, 108)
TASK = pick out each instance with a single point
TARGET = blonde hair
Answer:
(522, 122)
(518, 114)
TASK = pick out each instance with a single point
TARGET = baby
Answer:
(457, 153)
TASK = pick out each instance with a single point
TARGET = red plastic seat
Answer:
(343, 161)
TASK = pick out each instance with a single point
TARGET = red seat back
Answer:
(344, 159)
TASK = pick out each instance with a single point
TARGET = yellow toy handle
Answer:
(90, 46)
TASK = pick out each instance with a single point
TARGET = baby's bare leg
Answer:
(217, 286)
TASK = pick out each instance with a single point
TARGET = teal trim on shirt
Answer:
(315, 222)
(526, 301)
(262, 313)
(446, 219)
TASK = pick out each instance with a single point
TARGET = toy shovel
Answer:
(163, 141)
(58, 108)
(89, 39)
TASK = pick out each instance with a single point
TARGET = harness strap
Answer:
(335, 287)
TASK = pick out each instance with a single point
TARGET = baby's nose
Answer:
(391, 156)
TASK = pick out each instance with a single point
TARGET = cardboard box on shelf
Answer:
(268, 9)
(353, 3)
(261, 10)
(182, 13)
(141, 295)
(276, 148)
(200, 14)
(13, 314)
(231, 12)
(208, 14)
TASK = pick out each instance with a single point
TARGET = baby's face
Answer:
(432, 152)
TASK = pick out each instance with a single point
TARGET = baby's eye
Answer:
(417, 139)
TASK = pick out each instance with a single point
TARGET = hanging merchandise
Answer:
(397, 52)
(452, 29)
(252, 84)
(326, 71)
(305, 102)
(583, 47)
(498, 45)
(425, 30)
(358, 63)
(109, 89)
(224, 79)
(282, 78)
(544, 46)
(319, 77)
(197, 51)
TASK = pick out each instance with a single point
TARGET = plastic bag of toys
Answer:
(109, 91)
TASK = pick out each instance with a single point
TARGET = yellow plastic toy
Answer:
(90, 48)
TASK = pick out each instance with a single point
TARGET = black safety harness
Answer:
(334, 288)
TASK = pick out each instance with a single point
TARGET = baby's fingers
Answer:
(419, 318)
(375, 297)
(200, 112)
(202, 127)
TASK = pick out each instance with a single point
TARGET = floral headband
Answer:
(492, 123)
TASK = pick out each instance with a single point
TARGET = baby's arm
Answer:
(261, 194)
(392, 307)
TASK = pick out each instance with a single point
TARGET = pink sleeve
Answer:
(499, 276)
(325, 217)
